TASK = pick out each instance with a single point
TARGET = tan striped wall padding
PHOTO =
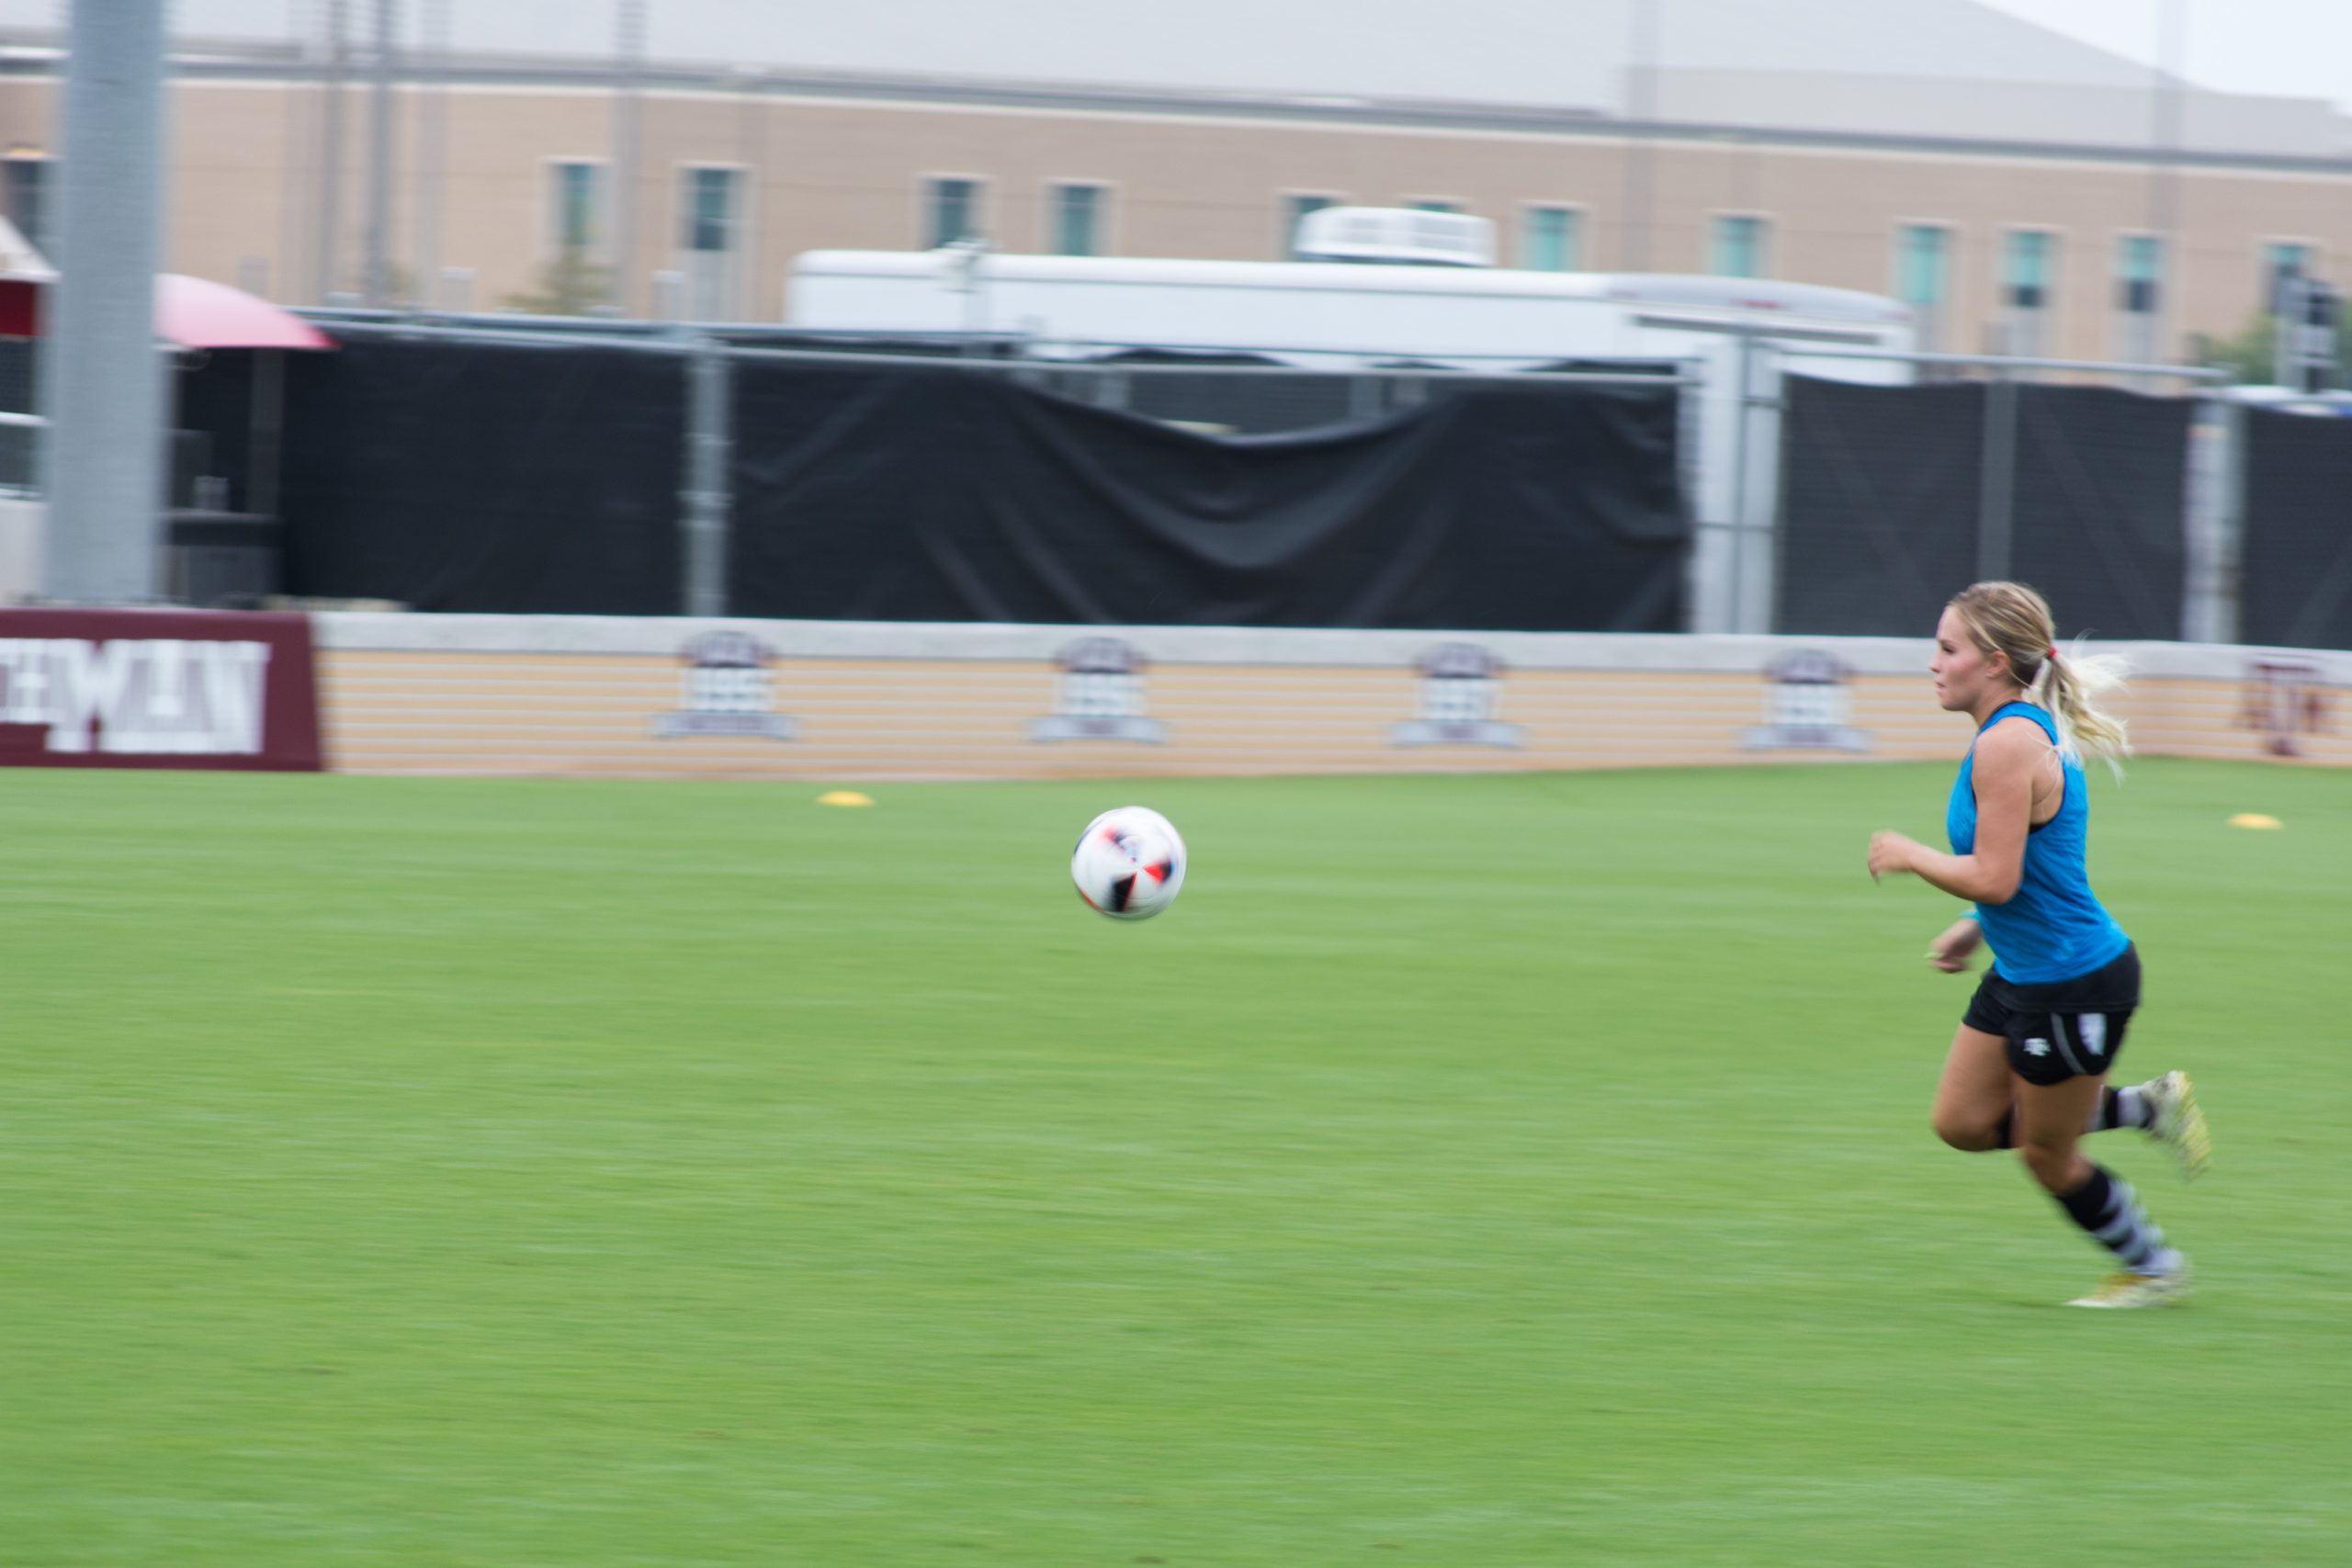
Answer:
(585, 696)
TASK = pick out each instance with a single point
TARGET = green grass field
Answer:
(1518, 1171)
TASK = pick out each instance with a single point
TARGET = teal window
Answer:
(1548, 239)
(2139, 274)
(2028, 269)
(954, 211)
(1923, 265)
(1738, 248)
(713, 198)
(579, 206)
(1077, 220)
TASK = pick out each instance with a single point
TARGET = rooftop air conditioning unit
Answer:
(1395, 236)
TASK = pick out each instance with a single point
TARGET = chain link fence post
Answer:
(1997, 480)
(703, 499)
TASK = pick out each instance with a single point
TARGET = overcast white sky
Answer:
(2300, 48)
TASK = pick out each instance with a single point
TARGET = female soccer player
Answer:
(2027, 1069)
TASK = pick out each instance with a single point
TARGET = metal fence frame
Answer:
(1741, 579)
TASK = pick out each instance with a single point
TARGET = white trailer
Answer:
(1448, 311)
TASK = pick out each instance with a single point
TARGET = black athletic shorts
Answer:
(2063, 1030)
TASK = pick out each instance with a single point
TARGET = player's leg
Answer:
(1976, 1092)
(2054, 1104)
(2051, 1118)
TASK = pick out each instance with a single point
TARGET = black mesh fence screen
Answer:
(485, 477)
(2101, 498)
(2298, 560)
(947, 495)
(470, 475)
(1879, 492)
(1883, 508)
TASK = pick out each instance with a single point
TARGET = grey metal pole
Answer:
(1744, 373)
(1763, 409)
(431, 146)
(104, 454)
(2164, 181)
(377, 286)
(745, 264)
(329, 210)
(631, 49)
(300, 183)
(704, 500)
(1998, 481)
(1641, 111)
(2216, 522)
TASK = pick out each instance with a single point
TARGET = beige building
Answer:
(507, 176)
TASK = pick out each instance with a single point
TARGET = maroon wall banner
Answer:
(157, 689)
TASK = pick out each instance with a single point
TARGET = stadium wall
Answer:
(656, 699)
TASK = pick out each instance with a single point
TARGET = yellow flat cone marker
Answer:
(844, 797)
(2255, 819)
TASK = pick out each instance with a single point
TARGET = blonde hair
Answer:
(2012, 620)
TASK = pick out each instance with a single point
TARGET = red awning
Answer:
(195, 312)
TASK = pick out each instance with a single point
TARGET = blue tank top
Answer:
(2053, 928)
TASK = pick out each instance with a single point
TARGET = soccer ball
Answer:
(1129, 863)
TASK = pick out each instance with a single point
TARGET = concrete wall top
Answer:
(407, 632)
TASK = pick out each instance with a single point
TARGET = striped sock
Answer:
(2108, 1208)
(2121, 1108)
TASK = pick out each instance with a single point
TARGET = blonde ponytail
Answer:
(2012, 620)
(2070, 686)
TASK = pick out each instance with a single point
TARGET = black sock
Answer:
(2110, 1212)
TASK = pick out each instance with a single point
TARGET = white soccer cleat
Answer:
(2178, 1124)
(2122, 1291)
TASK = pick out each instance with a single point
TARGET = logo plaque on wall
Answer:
(2284, 701)
(1461, 692)
(1808, 707)
(1100, 696)
(728, 689)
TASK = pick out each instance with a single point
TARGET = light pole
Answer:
(2163, 172)
(630, 49)
(431, 146)
(330, 208)
(377, 284)
(103, 455)
(1641, 111)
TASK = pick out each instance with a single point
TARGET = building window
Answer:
(1739, 249)
(1077, 220)
(711, 235)
(1434, 204)
(954, 211)
(26, 195)
(1295, 207)
(712, 215)
(1923, 265)
(2281, 259)
(577, 200)
(1548, 240)
(2028, 262)
(2139, 274)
